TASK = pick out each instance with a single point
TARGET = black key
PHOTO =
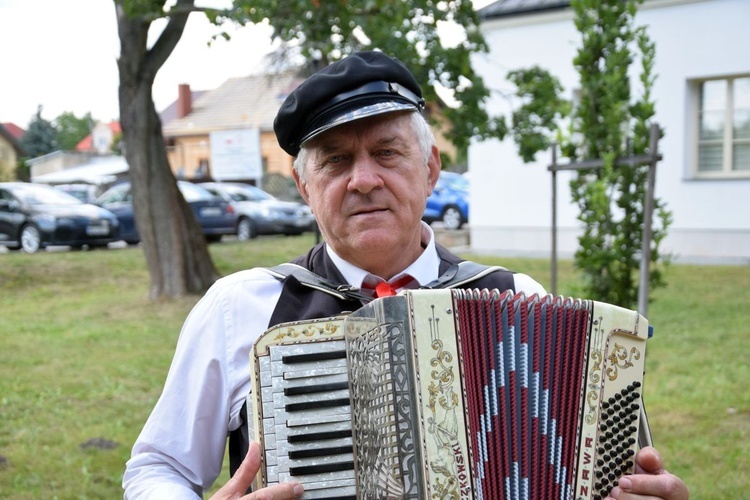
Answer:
(312, 405)
(320, 469)
(319, 436)
(320, 452)
(313, 356)
(310, 389)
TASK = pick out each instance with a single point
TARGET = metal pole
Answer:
(643, 286)
(554, 219)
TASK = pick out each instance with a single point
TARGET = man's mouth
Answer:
(368, 211)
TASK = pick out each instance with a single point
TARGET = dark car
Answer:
(259, 212)
(449, 201)
(215, 216)
(33, 216)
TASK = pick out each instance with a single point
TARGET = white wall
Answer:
(511, 201)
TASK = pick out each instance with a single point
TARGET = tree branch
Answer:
(168, 39)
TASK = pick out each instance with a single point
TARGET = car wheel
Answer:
(31, 239)
(246, 229)
(452, 218)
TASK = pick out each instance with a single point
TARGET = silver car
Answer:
(259, 212)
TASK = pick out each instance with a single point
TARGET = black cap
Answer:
(360, 85)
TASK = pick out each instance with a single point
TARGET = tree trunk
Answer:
(175, 248)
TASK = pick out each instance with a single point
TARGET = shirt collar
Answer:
(424, 269)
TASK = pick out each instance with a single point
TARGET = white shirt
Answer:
(180, 450)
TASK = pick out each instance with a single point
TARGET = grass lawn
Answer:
(84, 353)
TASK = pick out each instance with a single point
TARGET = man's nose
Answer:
(365, 175)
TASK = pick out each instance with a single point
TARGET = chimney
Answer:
(184, 100)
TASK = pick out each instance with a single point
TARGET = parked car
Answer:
(215, 216)
(33, 216)
(87, 193)
(449, 201)
(259, 212)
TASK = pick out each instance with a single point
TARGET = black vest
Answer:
(299, 302)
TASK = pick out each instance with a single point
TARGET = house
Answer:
(101, 139)
(90, 153)
(232, 124)
(10, 149)
(702, 96)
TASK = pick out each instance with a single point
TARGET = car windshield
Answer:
(192, 193)
(116, 194)
(248, 193)
(44, 195)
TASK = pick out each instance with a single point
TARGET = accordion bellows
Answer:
(452, 394)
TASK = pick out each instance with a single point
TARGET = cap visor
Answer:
(357, 114)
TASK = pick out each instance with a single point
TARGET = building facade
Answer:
(702, 96)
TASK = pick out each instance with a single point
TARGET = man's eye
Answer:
(334, 159)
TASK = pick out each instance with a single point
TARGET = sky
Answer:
(62, 55)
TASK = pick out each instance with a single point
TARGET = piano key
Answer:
(266, 393)
(300, 431)
(269, 442)
(326, 444)
(334, 370)
(273, 475)
(302, 470)
(317, 404)
(323, 415)
(319, 436)
(316, 465)
(278, 369)
(272, 457)
(264, 368)
(296, 353)
(321, 481)
(321, 387)
(321, 448)
(268, 408)
(309, 357)
(343, 493)
(317, 451)
(269, 425)
(280, 400)
(311, 384)
(329, 483)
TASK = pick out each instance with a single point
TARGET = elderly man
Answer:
(365, 162)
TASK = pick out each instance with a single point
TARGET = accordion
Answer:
(466, 394)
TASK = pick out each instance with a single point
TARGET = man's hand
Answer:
(243, 478)
(650, 480)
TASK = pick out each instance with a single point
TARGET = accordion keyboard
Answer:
(307, 418)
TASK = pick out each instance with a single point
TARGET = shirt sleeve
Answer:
(528, 285)
(180, 450)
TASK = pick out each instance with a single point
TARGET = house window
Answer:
(724, 127)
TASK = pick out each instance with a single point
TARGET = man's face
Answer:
(367, 184)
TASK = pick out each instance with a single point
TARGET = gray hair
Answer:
(424, 134)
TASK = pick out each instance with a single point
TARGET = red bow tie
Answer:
(386, 289)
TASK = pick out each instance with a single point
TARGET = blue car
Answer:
(215, 216)
(449, 201)
(33, 216)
